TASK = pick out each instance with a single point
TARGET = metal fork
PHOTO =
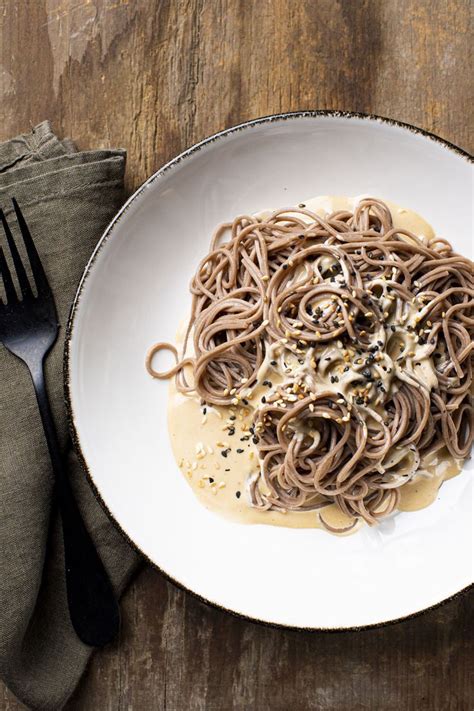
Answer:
(28, 329)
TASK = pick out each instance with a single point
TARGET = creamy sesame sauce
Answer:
(214, 446)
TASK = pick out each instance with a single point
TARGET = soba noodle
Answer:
(366, 331)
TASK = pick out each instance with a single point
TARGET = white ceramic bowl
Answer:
(135, 291)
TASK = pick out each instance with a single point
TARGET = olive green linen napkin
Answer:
(68, 198)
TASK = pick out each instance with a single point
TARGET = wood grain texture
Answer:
(154, 76)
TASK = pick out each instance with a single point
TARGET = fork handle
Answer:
(93, 607)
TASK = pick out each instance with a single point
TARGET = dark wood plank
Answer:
(153, 77)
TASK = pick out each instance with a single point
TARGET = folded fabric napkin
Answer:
(68, 198)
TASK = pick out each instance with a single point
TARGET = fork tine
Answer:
(35, 261)
(7, 279)
(20, 269)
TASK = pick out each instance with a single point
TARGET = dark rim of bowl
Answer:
(70, 325)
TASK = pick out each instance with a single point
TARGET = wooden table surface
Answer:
(154, 77)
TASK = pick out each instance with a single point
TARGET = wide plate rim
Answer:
(107, 234)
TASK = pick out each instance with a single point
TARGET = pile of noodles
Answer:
(258, 286)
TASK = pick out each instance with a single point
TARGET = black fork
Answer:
(28, 329)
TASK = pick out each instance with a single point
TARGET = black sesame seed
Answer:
(392, 328)
(232, 418)
(239, 451)
(224, 453)
(367, 374)
(255, 439)
(273, 362)
(204, 410)
(237, 493)
(263, 399)
(211, 480)
(346, 369)
(284, 266)
(246, 402)
(231, 431)
(359, 400)
(227, 470)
